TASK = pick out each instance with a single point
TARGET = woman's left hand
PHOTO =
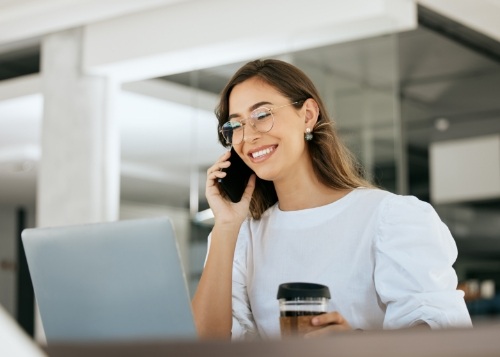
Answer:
(331, 322)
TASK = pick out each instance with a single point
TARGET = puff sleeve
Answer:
(414, 275)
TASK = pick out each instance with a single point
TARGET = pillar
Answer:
(78, 175)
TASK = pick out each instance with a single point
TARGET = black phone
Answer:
(237, 176)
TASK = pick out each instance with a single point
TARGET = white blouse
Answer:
(387, 260)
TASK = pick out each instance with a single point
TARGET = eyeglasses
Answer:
(261, 119)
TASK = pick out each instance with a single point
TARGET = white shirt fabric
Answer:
(387, 260)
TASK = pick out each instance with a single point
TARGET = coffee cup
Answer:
(299, 303)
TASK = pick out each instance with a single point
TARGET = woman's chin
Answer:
(265, 177)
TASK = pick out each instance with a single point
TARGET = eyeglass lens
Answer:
(261, 119)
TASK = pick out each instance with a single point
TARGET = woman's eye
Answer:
(262, 114)
(236, 125)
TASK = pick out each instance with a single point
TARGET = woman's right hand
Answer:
(225, 211)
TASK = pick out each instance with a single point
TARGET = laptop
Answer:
(112, 281)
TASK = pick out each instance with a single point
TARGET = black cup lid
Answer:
(291, 291)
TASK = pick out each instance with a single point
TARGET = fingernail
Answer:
(315, 321)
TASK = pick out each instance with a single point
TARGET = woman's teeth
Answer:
(261, 153)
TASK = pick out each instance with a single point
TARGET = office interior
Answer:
(412, 105)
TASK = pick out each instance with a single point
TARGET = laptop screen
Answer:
(109, 281)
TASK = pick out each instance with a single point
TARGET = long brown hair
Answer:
(333, 163)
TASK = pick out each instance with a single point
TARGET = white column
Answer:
(78, 174)
(78, 177)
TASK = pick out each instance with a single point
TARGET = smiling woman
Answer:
(313, 215)
(334, 167)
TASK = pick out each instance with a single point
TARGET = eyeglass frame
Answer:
(271, 111)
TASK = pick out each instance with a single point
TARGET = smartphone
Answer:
(237, 176)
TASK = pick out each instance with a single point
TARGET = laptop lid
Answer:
(109, 281)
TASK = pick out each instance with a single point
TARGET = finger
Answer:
(225, 156)
(214, 177)
(218, 166)
(247, 194)
(328, 318)
(216, 170)
(328, 330)
(222, 162)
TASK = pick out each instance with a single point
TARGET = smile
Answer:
(264, 152)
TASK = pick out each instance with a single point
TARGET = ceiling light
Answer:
(442, 124)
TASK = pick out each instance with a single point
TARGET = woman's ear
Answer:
(311, 112)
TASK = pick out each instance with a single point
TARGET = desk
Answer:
(483, 341)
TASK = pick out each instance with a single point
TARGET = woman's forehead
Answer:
(245, 95)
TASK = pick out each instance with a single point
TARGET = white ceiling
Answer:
(25, 19)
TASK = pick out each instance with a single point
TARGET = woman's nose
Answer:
(250, 133)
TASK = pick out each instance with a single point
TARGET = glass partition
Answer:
(359, 83)
(173, 124)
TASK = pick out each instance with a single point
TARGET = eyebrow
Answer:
(253, 107)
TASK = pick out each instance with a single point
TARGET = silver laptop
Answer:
(109, 281)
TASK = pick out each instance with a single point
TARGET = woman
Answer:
(387, 259)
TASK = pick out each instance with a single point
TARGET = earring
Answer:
(308, 135)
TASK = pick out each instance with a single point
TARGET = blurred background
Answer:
(106, 113)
